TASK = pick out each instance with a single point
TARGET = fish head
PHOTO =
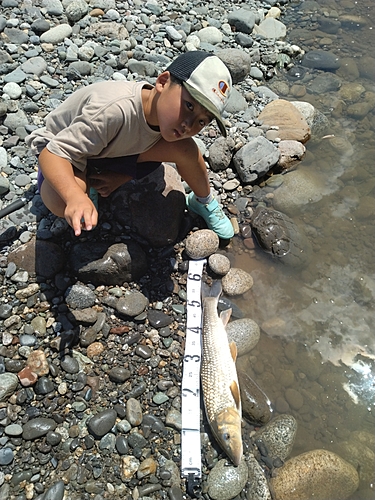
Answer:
(227, 430)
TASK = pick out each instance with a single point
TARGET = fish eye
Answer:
(226, 436)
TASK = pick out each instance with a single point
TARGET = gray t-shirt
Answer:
(102, 120)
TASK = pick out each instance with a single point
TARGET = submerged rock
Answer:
(256, 407)
(315, 474)
(278, 235)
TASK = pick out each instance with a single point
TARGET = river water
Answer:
(316, 355)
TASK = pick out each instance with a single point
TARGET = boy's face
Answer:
(180, 116)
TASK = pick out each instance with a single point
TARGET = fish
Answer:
(220, 387)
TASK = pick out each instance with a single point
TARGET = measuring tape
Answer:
(191, 463)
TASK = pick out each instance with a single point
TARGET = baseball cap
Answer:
(207, 80)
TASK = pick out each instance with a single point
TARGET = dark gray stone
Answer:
(38, 427)
(255, 159)
(101, 423)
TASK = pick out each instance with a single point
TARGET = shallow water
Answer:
(316, 356)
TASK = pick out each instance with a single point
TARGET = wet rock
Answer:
(278, 235)
(256, 407)
(290, 122)
(300, 187)
(226, 481)
(201, 244)
(315, 474)
(291, 153)
(360, 455)
(316, 120)
(321, 59)
(245, 333)
(278, 436)
(323, 84)
(236, 282)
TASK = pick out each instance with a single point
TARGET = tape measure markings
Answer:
(190, 388)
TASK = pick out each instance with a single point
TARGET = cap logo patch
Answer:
(223, 87)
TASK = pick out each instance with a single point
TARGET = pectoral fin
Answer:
(235, 390)
(233, 350)
(225, 316)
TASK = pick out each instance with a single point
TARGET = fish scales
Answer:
(218, 367)
(219, 379)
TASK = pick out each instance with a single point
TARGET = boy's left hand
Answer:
(107, 182)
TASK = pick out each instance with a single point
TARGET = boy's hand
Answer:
(107, 182)
(81, 214)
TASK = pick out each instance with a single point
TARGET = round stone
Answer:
(6, 456)
(201, 244)
(219, 264)
(226, 481)
(236, 282)
(245, 332)
(101, 423)
(315, 474)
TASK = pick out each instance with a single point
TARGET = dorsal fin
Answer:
(235, 390)
(225, 316)
(233, 350)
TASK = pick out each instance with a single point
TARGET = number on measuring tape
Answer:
(194, 276)
(192, 357)
(195, 329)
(194, 303)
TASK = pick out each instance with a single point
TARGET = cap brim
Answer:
(206, 103)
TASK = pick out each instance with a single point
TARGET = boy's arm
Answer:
(71, 201)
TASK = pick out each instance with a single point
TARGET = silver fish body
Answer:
(220, 386)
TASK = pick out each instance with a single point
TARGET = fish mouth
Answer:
(227, 431)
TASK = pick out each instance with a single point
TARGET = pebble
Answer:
(201, 244)
(226, 481)
(219, 264)
(237, 282)
(101, 423)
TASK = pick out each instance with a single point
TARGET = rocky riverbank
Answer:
(93, 328)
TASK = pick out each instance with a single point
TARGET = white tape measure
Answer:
(191, 463)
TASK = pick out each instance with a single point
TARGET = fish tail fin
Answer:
(211, 291)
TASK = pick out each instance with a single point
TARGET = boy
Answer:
(110, 132)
